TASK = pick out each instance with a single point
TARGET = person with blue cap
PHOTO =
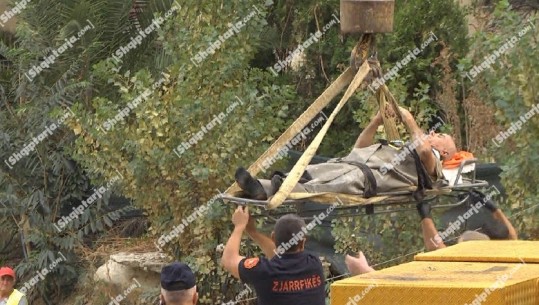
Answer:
(178, 285)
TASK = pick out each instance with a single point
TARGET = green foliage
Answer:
(414, 22)
(292, 23)
(511, 84)
(386, 239)
(47, 184)
(145, 146)
(166, 179)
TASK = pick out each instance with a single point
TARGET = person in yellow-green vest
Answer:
(8, 294)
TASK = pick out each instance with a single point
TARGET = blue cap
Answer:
(177, 276)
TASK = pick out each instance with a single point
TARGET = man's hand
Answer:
(423, 209)
(357, 265)
(389, 112)
(367, 135)
(406, 115)
(377, 119)
(404, 111)
(240, 219)
(488, 204)
(491, 206)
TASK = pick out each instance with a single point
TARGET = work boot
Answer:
(278, 173)
(276, 182)
(305, 177)
(250, 185)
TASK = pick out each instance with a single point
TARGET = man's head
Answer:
(289, 231)
(472, 235)
(7, 281)
(178, 285)
(443, 143)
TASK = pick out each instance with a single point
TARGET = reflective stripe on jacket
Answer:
(15, 297)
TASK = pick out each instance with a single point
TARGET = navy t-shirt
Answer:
(293, 279)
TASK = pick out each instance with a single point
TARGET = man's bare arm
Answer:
(366, 137)
(231, 254)
(431, 238)
(264, 242)
(499, 215)
(423, 148)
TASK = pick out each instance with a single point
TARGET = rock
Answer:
(124, 269)
(152, 261)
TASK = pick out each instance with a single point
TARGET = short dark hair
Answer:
(286, 228)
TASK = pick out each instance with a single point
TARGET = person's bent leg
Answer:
(250, 185)
(271, 189)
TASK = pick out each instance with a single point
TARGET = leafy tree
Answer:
(293, 22)
(46, 184)
(198, 116)
(170, 180)
(510, 85)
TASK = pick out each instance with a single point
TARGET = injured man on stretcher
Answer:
(369, 168)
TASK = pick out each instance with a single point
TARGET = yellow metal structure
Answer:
(501, 251)
(442, 283)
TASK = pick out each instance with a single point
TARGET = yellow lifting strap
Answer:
(391, 122)
(385, 99)
(305, 118)
(293, 177)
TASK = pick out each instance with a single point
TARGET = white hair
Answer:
(472, 235)
(179, 297)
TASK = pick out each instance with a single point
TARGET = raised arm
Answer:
(264, 242)
(231, 254)
(431, 238)
(366, 137)
(499, 215)
(423, 147)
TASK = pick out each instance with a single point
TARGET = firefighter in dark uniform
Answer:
(294, 277)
